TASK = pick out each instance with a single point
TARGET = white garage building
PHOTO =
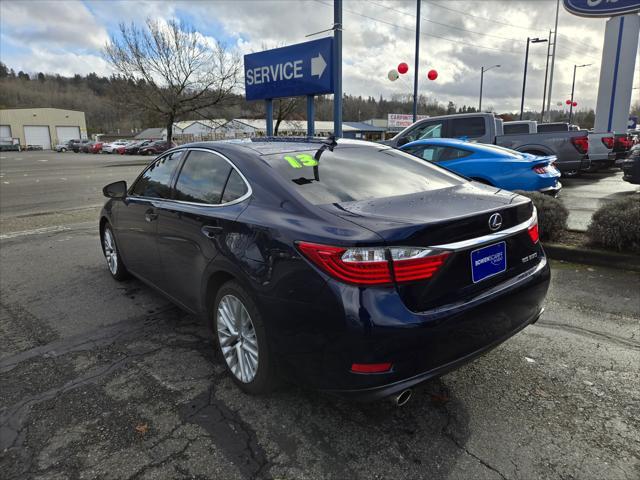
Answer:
(41, 127)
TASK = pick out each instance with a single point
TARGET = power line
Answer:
(403, 12)
(462, 12)
(445, 24)
(421, 34)
(473, 45)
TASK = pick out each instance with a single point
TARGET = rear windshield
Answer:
(352, 173)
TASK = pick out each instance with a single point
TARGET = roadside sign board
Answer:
(296, 70)
(601, 8)
(402, 120)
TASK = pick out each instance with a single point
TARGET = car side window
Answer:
(468, 127)
(431, 153)
(235, 187)
(452, 153)
(155, 182)
(426, 130)
(202, 178)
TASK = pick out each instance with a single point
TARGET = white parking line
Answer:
(45, 230)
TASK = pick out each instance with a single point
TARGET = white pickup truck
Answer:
(569, 147)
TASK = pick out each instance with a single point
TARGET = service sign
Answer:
(296, 70)
(601, 8)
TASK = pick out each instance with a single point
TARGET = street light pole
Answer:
(417, 62)
(553, 58)
(482, 70)
(573, 87)
(526, 60)
(546, 73)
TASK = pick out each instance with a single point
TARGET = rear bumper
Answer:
(373, 325)
(581, 163)
(554, 190)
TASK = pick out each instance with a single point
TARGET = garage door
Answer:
(5, 132)
(65, 134)
(37, 135)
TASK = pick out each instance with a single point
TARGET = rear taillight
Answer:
(581, 144)
(608, 142)
(624, 142)
(375, 265)
(540, 169)
(534, 234)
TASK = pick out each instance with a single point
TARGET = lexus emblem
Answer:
(495, 222)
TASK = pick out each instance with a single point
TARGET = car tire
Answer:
(112, 254)
(63, 149)
(238, 325)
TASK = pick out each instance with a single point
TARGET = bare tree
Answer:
(170, 69)
(285, 107)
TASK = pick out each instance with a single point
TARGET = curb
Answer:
(592, 256)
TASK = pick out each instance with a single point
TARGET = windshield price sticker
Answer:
(301, 160)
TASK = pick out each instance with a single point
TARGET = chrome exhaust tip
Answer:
(402, 398)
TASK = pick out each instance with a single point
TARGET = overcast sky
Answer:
(66, 37)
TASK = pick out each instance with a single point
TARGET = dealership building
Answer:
(41, 127)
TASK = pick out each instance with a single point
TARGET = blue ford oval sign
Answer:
(601, 8)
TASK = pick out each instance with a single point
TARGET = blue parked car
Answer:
(490, 164)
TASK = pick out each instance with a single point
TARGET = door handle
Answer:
(211, 231)
(150, 215)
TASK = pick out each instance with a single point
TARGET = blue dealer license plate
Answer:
(488, 261)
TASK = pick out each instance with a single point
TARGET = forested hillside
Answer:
(98, 98)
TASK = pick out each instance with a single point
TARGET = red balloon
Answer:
(432, 75)
(575, 104)
(403, 68)
(568, 102)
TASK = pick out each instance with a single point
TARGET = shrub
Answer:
(617, 225)
(552, 215)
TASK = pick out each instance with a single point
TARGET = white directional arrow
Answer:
(318, 65)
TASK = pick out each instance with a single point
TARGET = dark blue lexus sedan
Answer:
(347, 266)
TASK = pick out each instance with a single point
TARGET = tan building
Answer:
(43, 127)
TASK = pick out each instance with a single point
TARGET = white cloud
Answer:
(65, 24)
(378, 34)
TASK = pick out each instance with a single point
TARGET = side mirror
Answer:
(115, 190)
(402, 141)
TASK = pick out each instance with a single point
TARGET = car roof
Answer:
(454, 142)
(269, 146)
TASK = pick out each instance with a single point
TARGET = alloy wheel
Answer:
(238, 340)
(110, 252)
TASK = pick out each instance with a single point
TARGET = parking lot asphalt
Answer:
(101, 379)
(585, 194)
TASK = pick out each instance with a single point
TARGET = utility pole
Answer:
(417, 63)
(546, 72)
(337, 68)
(553, 58)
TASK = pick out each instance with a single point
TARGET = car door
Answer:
(194, 226)
(136, 222)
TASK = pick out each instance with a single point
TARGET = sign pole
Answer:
(337, 68)
(269, 108)
(417, 63)
(310, 116)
